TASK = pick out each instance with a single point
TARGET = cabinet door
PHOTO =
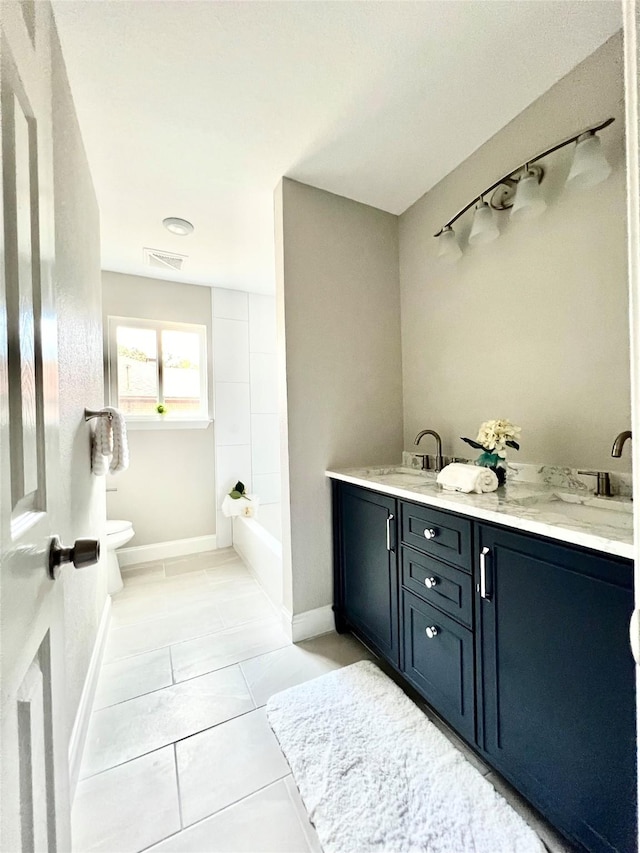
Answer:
(558, 683)
(438, 661)
(369, 574)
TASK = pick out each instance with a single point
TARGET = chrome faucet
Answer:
(618, 444)
(425, 459)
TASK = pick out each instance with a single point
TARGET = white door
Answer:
(34, 766)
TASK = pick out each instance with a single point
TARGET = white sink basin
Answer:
(592, 511)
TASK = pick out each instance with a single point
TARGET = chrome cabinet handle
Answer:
(84, 552)
(432, 632)
(430, 533)
(483, 574)
(431, 582)
(389, 520)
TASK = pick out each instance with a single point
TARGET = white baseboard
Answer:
(311, 623)
(165, 550)
(83, 715)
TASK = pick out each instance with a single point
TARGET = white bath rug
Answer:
(376, 775)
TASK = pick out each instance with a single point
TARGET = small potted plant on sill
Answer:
(493, 439)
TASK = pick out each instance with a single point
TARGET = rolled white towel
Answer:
(240, 506)
(459, 477)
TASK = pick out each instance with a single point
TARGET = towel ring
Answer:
(89, 414)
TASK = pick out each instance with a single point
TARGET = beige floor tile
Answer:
(265, 822)
(270, 673)
(303, 816)
(223, 556)
(234, 587)
(549, 835)
(191, 563)
(222, 765)
(247, 608)
(128, 808)
(185, 623)
(139, 606)
(142, 573)
(137, 726)
(131, 677)
(229, 571)
(206, 654)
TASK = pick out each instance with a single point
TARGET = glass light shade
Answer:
(589, 166)
(448, 248)
(528, 202)
(484, 228)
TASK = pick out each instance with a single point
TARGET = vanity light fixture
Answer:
(178, 226)
(519, 190)
(484, 228)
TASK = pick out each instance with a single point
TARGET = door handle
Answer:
(389, 520)
(483, 574)
(83, 553)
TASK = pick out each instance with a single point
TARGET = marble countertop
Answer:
(603, 524)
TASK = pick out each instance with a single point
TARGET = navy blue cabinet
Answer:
(524, 652)
(367, 583)
(557, 680)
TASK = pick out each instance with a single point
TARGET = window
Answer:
(152, 363)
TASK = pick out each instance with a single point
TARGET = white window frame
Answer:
(200, 420)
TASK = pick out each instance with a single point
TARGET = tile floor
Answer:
(179, 755)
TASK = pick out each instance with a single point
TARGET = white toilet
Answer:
(118, 534)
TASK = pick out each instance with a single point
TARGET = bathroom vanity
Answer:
(508, 613)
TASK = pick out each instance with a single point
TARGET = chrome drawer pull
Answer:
(483, 573)
(389, 520)
(430, 533)
(431, 582)
(432, 632)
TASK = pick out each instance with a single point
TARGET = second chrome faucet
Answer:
(425, 458)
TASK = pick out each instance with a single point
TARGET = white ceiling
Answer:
(196, 109)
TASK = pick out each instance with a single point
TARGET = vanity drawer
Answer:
(438, 661)
(448, 589)
(447, 537)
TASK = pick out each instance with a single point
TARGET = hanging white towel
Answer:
(458, 477)
(110, 451)
(120, 457)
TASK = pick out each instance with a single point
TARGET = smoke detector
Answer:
(163, 260)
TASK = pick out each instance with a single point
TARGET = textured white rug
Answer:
(376, 775)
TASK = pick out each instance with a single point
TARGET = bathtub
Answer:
(258, 541)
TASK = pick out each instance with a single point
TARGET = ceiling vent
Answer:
(163, 260)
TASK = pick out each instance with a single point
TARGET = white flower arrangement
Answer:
(493, 439)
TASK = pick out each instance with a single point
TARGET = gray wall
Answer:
(168, 492)
(339, 312)
(534, 326)
(77, 288)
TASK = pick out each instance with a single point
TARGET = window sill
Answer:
(163, 422)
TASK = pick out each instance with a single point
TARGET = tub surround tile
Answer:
(264, 382)
(246, 757)
(210, 653)
(107, 809)
(231, 350)
(268, 488)
(268, 821)
(262, 323)
(230, 304)
(131, 677)
(265, 449)
(233, 413)
(137, 726)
